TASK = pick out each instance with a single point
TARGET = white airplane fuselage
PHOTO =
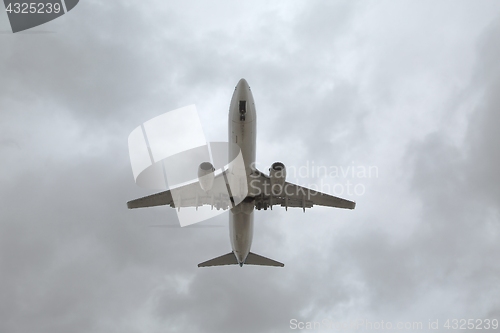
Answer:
(242, 132)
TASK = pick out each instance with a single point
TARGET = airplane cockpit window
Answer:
(243, 110)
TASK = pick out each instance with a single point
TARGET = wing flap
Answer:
(318, 198)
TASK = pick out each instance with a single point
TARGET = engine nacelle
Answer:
(206, 176)
(277, 173)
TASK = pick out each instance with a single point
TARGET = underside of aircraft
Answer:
(240, 188)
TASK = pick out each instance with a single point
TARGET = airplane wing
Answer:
(192, 195)
(292, 195)
(189, 195)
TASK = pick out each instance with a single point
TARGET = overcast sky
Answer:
(408, 87)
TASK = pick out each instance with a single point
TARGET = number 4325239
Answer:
(33, 8)
(470, 324)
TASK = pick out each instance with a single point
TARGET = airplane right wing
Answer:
(190, 195)
(292, 195)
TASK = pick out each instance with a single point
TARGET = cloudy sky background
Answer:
(410, 87)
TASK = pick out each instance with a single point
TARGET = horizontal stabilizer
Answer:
(227, 259)
(255, 259)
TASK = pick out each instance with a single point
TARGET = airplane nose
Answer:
(242, 106)
(242, 84)
(242, 90)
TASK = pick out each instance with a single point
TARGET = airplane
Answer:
(260, 191)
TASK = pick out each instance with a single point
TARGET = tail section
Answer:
(255, 259)
(230, 259)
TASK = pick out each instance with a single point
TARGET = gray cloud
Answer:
(408, 87)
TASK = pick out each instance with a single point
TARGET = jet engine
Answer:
(206, 176)
(277, 173)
